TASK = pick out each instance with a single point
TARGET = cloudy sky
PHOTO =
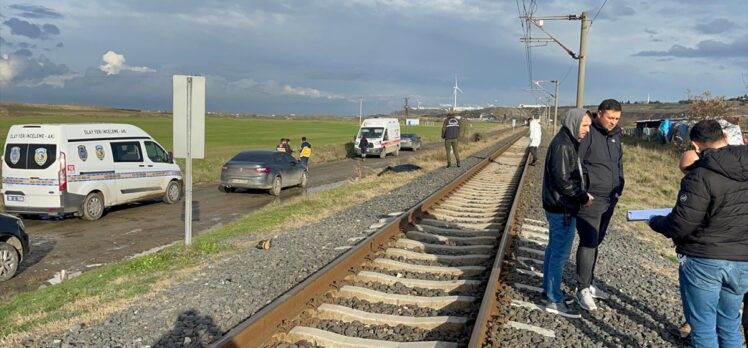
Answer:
(320, 56)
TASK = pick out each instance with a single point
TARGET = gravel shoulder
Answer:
(196, 308)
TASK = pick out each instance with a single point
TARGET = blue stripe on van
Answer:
(101, 176)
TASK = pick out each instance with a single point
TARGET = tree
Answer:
(706, 105)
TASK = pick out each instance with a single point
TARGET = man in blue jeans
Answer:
(564, 193)
(709, 226)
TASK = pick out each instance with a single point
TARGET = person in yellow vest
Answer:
(304, 152)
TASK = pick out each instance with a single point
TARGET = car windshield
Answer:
(409, 136)
(253, 157)
(372, 132)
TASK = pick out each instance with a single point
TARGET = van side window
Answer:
(155, 152)
(386, 136)
(127, 151)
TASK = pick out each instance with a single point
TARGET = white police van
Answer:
(56, 169)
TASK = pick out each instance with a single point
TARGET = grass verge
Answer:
(93, 295)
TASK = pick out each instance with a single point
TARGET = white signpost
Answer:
(189, 134)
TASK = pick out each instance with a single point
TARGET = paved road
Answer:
(76, 245)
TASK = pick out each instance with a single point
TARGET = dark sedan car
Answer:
(410, 141)
(262, 169)
(14, 245)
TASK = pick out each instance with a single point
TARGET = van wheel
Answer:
(277, 186)
(8, 261)
(173, 192)
(227, 189)
(304, 179)
(93, 206)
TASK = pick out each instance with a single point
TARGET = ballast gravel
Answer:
(199, 308)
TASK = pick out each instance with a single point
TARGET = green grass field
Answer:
(225, 135)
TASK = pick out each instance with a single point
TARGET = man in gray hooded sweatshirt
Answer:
(564, 193)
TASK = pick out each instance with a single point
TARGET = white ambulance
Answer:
(56, 169)
(383, 135)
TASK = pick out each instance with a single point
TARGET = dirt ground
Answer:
(75, 245)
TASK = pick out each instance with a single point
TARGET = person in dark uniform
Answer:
(363, 145)
(451, 134)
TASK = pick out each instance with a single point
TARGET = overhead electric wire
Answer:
(597, 13)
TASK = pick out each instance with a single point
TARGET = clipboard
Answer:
(644, 214)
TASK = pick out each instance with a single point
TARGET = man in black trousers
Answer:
(602, 160)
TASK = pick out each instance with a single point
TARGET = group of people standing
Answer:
(305, 150)
(582, 182)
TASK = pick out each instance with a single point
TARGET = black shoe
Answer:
(449, 165)
(458, 164)
(532, 164)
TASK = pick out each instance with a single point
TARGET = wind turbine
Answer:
(455, 90)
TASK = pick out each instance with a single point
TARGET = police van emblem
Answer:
(100, 152)
(40, 156)
(82, 152)
(15, 154)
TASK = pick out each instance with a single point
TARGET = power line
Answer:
(598, 12)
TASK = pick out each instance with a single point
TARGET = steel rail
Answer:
(488, 305)
(260, 327)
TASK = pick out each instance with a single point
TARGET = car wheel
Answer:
(227, 189)
(173, 192)
(8, 261)
(93, 206)
(277, 186)
(304, 178)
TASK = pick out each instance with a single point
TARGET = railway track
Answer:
(426, 279)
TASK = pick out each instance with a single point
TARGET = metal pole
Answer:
(188, 184)
(555, 108)
(582, 59)
(360, 109)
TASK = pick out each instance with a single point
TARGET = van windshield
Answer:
(372, 132)
(30, 156)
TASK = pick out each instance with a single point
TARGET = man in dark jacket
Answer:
(363, 146)
(602, 161)
(563, 195)
(709, 226)
(451, 134)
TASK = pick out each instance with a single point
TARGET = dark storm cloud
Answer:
(719, 25)
(706, 48)
(51, 29)
(23, 28)
(23, 52)
(33, 11)
(59, 45)
(33, 31)
(650, 31)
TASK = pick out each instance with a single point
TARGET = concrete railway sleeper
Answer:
(422, 280)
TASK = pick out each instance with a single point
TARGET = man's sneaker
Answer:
(597, 293)
(585, 300)
(562, 309)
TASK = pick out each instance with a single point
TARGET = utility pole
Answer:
(538, 22)
(360, 110)
(406, 106)
(582, 61)
(555, 107)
